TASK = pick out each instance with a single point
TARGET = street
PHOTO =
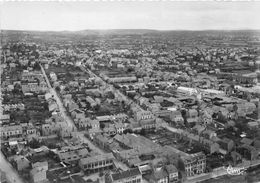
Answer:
(62, 109)
(70, 122)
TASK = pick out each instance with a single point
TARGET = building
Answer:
(21, 163)
(97, 163)
(38, 172)
(11, 131)
(72, 155)
(187, 91)
(194, 163)
(146, 119)
(226, 145)
(172, 173)
(9, 107)
(159, 175)
(133, 175)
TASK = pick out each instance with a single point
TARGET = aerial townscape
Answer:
(130, 106)
(129, 92)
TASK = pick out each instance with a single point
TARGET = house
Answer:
(120, 127)
(209, 145)
(249, 152)
(93, 131)
(31, 130)
(209, 134)
(49, 129)
(21, 162)
(194, 163)
(43, 165)
(101, 141)
(94, 124)
(4, 118)
(11, 131)
(8, 107)
(97, 163)
(91, 101)
(146, 119)
(226, 144)
(176, 116)
(72, 155)
(53, 76)
(38, 172)
(143, 115)
(159, 175)
(110, 130)
(172, 173)
(77, 114)
(52, 105)
(132, 175)
(198, 129)
(192, 113)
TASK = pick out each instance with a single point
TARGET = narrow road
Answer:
(5, 166)
(11, 173)
(62, 109)
(71, 124)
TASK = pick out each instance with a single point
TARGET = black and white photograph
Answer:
(129, 91)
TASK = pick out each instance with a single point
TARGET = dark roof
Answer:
(126, 174)
(171, 168)
(247, 141)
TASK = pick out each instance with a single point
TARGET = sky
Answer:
(159, 15)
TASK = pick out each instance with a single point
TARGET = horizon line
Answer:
(115, 29)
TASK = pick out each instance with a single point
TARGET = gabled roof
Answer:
(126, 174)
(171, 168)
(247, 141)
(159, 174)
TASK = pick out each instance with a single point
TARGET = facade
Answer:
(21, 163)
(194, 164)
(146, 119)
(172, 173)
(97, 163)
(11, 131)
(159, 175)
(9, 107)
(129, 176)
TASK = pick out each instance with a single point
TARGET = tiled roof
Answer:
(126, 174)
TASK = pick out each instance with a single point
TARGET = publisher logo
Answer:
(235, 170)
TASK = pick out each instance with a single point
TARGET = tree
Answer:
(102, 125)
(34, 143)
(57, 88)
(128, 131)
(37, 66)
